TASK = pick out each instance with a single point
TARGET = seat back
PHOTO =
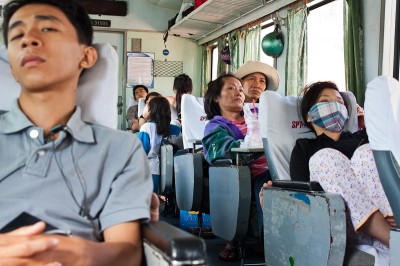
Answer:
(311, 241)
(141, 106)
(382, 120)
(281, 125)
(97, 90)
(193, 119)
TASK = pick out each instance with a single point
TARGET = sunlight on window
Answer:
(263, 57)
(214, 63)
(326, 44)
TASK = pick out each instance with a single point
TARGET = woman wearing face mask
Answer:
(342, 162)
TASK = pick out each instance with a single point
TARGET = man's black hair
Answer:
(75, 13)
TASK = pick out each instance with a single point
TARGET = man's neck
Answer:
(46, 109)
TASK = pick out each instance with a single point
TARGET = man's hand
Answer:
(20, 246)
(154, 208)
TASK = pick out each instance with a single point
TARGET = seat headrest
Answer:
(382, 114)
(193, 119)
(281, 124)
(141, 106)
(97, 90)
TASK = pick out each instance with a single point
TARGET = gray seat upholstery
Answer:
(188, 163)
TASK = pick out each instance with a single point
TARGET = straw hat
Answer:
(257, 66)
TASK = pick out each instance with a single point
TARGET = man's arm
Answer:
(122, 246)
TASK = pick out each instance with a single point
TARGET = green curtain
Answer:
(252, 44)
(234, 47)
(221, 68)
(353, 49)
(296, 57)
(205, 69)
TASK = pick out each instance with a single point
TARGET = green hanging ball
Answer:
(272, 44)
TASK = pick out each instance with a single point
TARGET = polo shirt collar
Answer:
(15, 121)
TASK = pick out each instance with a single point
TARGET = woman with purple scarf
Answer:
(223, 104)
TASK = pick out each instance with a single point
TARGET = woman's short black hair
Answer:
(137, 87)
(160, 113)
(211, 107)
(75, 13)
(151, 95)
(311, 94)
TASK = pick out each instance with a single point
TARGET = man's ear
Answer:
(89, 58)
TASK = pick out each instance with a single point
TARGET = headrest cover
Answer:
(97, 89)
(382, 114)
(193, 119)
(256, 66)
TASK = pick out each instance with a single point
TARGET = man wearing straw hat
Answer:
(257, 77)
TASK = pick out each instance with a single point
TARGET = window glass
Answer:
(326, 44)
(266, 27)
(214, 63)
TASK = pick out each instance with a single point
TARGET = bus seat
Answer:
(97, 97)
(141, 106)
(165, 244)
(382, 119)
(188, 163)
(230, 186)
(306, 226)
(230, 199)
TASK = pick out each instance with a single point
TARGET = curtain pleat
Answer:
(353, 49)
(296, 57)
(252, 44)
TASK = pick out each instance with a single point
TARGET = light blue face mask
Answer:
(331, 116)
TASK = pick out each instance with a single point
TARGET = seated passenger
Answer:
(223, 104)
(87, 180)
(158, 114)
(342, 162)
(132, 117)
(256, 78)
(182, 85)
(148, 97)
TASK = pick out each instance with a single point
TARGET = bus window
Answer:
(266, 27)
(326, 44)
(214, 62)
(397, 44)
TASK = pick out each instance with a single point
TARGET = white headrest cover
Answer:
(9, 88)
(97, 93)
(281, 123)
(97, 90)
(382, 114)
(193, 119)
(141, 106)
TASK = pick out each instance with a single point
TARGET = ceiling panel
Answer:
(170, 4)
(212, 15)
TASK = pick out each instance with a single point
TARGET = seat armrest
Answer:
(220, 162)
(298, 185)
(182, 152)
(176, 246)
